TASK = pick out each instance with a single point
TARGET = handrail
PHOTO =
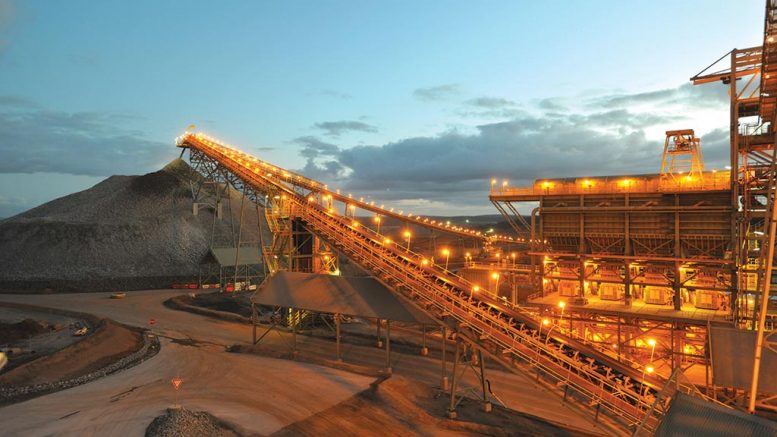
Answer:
(290, 178)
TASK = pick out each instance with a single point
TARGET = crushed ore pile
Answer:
(182, 422)
(126, 232)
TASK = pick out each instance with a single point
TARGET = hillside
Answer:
(127, 232)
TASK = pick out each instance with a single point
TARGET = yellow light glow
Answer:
(651, 342)
(407, 234)
(476, 289)
(546, 322)
(562, 304)
(649, 369)
(494, 275)
(387, 241)
(376, 219)
(425, 261)
(355, 224)
(446, 252)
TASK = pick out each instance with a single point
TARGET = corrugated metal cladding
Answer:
(689, 416)
(732, 360)
(359, 297)
(248, 255)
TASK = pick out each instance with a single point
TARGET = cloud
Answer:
(530, 147)
(490, 108)
(715, 147)
(623, 118)
(552, 104)
(320, 162)
(490, 102)
(686, 94)
(602, 134)
(336, 128)
(437, 93)
(313, 147)
(35, 139)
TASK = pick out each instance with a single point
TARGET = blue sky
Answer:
(414, 103)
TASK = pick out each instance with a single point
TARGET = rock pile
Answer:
(182, 422)
(127, 232)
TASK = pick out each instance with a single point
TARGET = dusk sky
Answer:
(414, 103)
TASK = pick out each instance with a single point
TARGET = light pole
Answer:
(561, 305)
(545, 322)
(467, 258)
(512, 255)
(407, 235)
(495, 276)
(475, 289)
(652, 343)
(447, 254)
(377, 222)
(649, 368)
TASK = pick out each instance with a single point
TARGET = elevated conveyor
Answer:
(509, 334)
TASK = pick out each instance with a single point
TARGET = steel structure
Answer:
(674, 252)
(682, 249)
(682, 156)
(504, 332)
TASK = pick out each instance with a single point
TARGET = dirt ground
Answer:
(398, 406)
(229, 385)
(232, 303)
(109, 342)
(13, 332)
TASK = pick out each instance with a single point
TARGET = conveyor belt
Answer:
(507, 332)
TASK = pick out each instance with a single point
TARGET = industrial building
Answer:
(613, 290)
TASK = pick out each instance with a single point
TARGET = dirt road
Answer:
(259, 385)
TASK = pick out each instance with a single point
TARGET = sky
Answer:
(413, 104)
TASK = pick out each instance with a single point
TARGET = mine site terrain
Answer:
(343, 218)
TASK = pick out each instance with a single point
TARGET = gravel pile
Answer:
(127, 232)
(182, 422)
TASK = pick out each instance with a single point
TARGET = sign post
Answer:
(177, 382)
